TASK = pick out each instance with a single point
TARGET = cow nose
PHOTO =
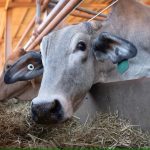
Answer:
(44, 113)
(7, 78)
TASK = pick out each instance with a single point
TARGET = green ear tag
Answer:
(123, 66)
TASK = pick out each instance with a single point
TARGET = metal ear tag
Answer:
(123, 66)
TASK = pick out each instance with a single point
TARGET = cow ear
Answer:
(22, 51)
(110, 47)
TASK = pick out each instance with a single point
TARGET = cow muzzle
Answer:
(48, 112)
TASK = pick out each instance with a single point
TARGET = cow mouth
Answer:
(49, 120)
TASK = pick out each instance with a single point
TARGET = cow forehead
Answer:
(60, 39)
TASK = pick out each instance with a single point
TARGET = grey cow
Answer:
(79, 56)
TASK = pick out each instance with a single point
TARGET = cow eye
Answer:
(81, 46)
(8, 66)
(30, 67)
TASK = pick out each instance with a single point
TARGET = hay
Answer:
(18, 130)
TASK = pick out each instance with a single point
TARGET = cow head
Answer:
(71, 58)
(9, 91)
(26, 67)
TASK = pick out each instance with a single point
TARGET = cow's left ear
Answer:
(110, 47)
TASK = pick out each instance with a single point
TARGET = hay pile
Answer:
(18, 130)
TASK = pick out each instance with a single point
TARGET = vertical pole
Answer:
(8, 34)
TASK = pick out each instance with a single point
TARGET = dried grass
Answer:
(18, 130)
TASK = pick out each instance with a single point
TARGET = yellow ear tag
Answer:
(123, 66)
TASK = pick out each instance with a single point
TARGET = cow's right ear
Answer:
(110, 47)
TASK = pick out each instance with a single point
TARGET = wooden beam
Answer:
(8, 35)
(1, 41)
(82, 9)
(93, 5)
(147, 2)
(18, 4)
(7, 24)
(23, 4)
(2, 25)
(77, 13)
(18, 38)
(3, 18)
(2, 4)
(21, 21)
(8, 2)
(33, 4)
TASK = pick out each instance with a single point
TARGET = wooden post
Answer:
(8, 34)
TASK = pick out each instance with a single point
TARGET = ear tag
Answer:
(123, 66)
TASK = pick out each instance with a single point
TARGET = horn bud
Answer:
(96, 25)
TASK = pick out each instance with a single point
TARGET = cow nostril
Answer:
(7, 78)
(47, 112)
(55, 106)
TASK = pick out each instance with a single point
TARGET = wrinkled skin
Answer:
(71, 67)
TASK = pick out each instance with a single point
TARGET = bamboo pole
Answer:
(63, 13)
(38, 12)
(83, 14)
(31, 24)
(61, 4)
(83, 10)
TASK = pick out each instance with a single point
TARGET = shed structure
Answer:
(16, 15)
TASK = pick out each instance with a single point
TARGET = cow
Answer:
(25, 90)
(79, 56)
(27, 67)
